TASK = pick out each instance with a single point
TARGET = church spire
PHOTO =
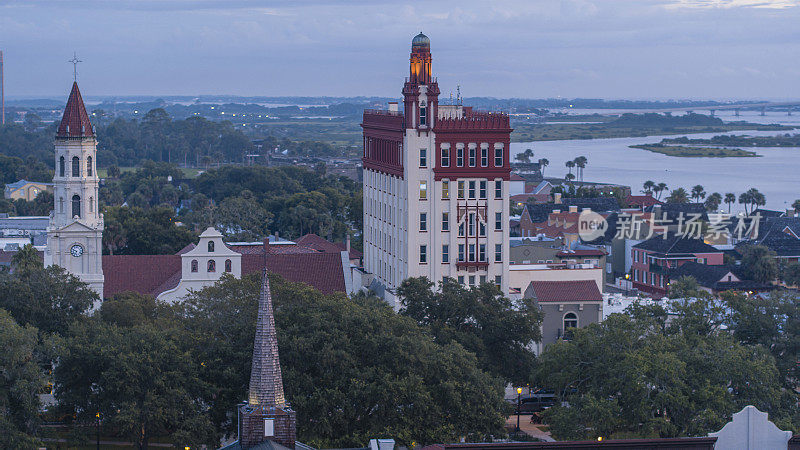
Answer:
(267, 416)
(75, 122)
(266, 382)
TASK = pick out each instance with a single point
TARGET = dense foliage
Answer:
(496, 329)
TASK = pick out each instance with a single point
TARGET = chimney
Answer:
(393, 107)
(557, 198)
(347, 244)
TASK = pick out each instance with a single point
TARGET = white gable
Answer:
(750, 429)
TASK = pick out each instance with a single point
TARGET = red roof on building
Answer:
(566, 291)
(323, 271)
(145, 274)
(75, 122)
(642, 200)
(321, 244)
(516, 177)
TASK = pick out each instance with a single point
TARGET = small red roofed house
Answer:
(565, 304)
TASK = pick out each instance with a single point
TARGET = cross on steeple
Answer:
(75, 62)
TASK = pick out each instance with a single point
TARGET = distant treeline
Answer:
(665, 120)
(782, 140)
(195, 141)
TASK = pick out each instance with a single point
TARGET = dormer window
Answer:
(211, 246)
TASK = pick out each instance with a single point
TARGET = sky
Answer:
(631, 49)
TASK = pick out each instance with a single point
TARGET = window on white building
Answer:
(460, 189)
(498, 252)
(472, 280)
(498, 221)
(483, 279)
(471, 189)
(471, 224)
(423, 157)
(471, 252)
(482, 252)
(570, 321)
(461, 279)
(423, 221)
(461, 252)
(498, 281)
(423, 254)
(498, 189)
(445, 253)
(445, 189)
(445, 157)
(445, 221)
(482, 189)
(423, 114)
(461, 229)
(423, 190)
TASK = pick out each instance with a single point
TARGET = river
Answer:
(776, 173)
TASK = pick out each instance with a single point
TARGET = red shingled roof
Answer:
(566, 291)
(75, 122)
(323, 245)
(145, 274)
(642, 200)
(321, 270)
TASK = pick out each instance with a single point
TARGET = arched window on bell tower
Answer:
(89, 166)
(76, 166)
(76, 206)
(61, 165)
(61, 204)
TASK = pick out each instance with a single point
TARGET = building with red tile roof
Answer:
(565, 304)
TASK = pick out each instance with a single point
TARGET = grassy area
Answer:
(696, 152)
(189, 172)
(527, 132)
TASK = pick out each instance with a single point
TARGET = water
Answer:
(779, 117)
(775, 173)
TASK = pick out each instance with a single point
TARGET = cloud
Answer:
(725, 4)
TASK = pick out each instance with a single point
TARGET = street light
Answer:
(519, 405)
(627, 283)
(98, 429)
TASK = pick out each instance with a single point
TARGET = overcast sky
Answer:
(710, 49)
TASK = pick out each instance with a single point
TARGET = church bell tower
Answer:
(75, 232)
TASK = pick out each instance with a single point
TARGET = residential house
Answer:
(565, 304)
(654, 258)
(26, 190)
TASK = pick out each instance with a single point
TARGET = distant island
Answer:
(696, 152)
(781, 140)
(596, 126)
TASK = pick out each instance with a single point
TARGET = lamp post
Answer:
(98, 429)
(519, 405)
(627, 283)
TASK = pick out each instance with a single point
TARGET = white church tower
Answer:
(75, 233)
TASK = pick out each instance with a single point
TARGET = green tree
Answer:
(580, 163)
(713, 201)
(648, 187)
(730, 199)
(495, 328)
(633, 375)
(544, 162)
(570, 165)
(751, 200)
(352, 367)
(678, 196)
(759, 263)
(791, 274)
(698, 193)
(49, 299)
(659, 189)
(21, 380)
(524, 156)
(139, 374)
(137, 231)
(113, 171)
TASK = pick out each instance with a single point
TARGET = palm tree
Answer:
(713, 201)
(542, 164)
(678, 196)
(659, 189)
(569, 177)
(648, 187)
(570, 165)
(752, 199)
(730, 198)
(525, 156)
(581, 162)
(698, 193)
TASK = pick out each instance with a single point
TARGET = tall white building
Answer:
(75, 232)
(436, 186)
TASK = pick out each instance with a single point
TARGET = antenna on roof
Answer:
(75, 62)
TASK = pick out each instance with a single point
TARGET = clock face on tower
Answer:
(76, 250)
